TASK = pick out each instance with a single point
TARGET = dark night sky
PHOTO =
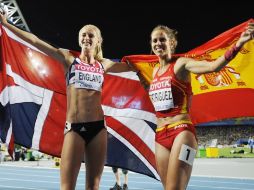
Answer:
(126, 26)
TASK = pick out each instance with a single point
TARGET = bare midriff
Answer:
(83, 105)
(161, 122)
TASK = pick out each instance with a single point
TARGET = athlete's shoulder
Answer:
(183, 60)
(106, 63)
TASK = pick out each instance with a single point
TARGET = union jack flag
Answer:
(33, 107)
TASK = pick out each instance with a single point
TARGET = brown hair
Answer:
(171, 33)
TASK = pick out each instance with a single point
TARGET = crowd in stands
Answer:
(226, 135)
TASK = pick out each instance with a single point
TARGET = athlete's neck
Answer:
(87, 59)
(165, 61)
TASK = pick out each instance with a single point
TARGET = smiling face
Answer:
(163, 41)
(90, 39)
(160, 43)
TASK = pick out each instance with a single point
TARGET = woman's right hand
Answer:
(3, 13)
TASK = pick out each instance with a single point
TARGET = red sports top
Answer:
(169, 95)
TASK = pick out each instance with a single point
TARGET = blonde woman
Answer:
(85, 132)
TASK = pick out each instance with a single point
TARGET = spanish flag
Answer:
(221, 95)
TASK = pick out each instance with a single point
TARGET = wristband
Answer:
(231, 53)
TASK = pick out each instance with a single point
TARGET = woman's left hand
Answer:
(247, 35)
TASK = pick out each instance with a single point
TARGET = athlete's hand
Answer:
(131, 66)
(247, 35)
(3, 13)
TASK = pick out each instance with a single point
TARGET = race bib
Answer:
(161, 95)
(88, 77)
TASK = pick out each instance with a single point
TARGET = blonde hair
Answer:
(171, 34)
(98, 49)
